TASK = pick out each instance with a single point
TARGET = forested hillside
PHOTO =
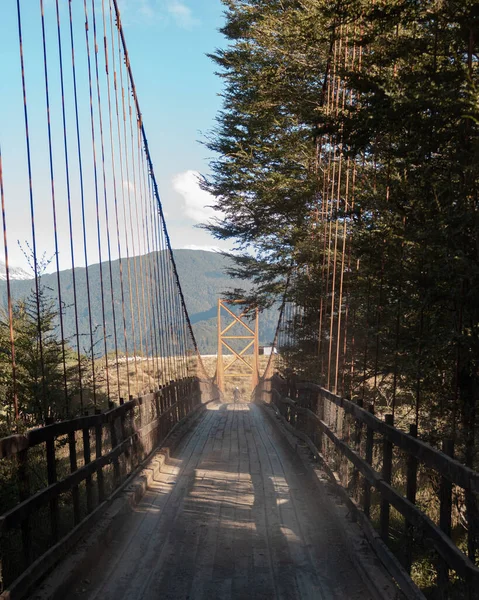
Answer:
(203, 278)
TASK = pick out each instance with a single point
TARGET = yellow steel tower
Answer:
(250, 338)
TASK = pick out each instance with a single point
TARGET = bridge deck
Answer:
(233, 516)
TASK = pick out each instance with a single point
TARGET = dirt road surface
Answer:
(235, 514)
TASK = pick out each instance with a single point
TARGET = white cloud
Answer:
(197, 201)
(132, 10)
(157, 11)
(182, 14)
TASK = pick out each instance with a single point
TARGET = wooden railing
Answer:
(54, 477)
(381, 467)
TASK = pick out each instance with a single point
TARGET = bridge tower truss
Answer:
(226, 339)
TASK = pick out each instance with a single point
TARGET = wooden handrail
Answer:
(450, 468)
(132, 438)
(17, 443)
(447, 467)
(20, 512)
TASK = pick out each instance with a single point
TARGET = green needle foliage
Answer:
(406, 240)
(409, 124)
(46, 369)
(264, 177)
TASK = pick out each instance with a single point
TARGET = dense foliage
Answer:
(347, 171)
(46, 383)
(404, 130)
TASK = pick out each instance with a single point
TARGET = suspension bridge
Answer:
(133, 471)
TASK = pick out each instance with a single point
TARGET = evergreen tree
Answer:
(409, 125)
(46, 370)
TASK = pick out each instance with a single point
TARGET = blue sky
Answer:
(168, 42)
(178, 92)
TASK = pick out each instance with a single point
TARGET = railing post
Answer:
(173, 392)
(301, 418)
(73, 467)
(24, 489)
(190, 391)
(140, 412)
(180, 398)
(151, 418)
(98, 451)
(369, 460)
(114, 444)
(161, 400)
(320, 413)
(168, 417)
(357, 448)
(160, 395)
(411, 489)
(141, 440)
(313, 403)
(87, 459)
(185, 398)
(52, 478)
(386, 475)
(193, 394)
(156, 401)
(445, 511)
(189, 398)
(196, 391)
(124, 435)
(134, 431)
(174, 412)
(343, 432)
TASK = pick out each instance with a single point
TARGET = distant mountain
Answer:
(203, 280)
(15, 273)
